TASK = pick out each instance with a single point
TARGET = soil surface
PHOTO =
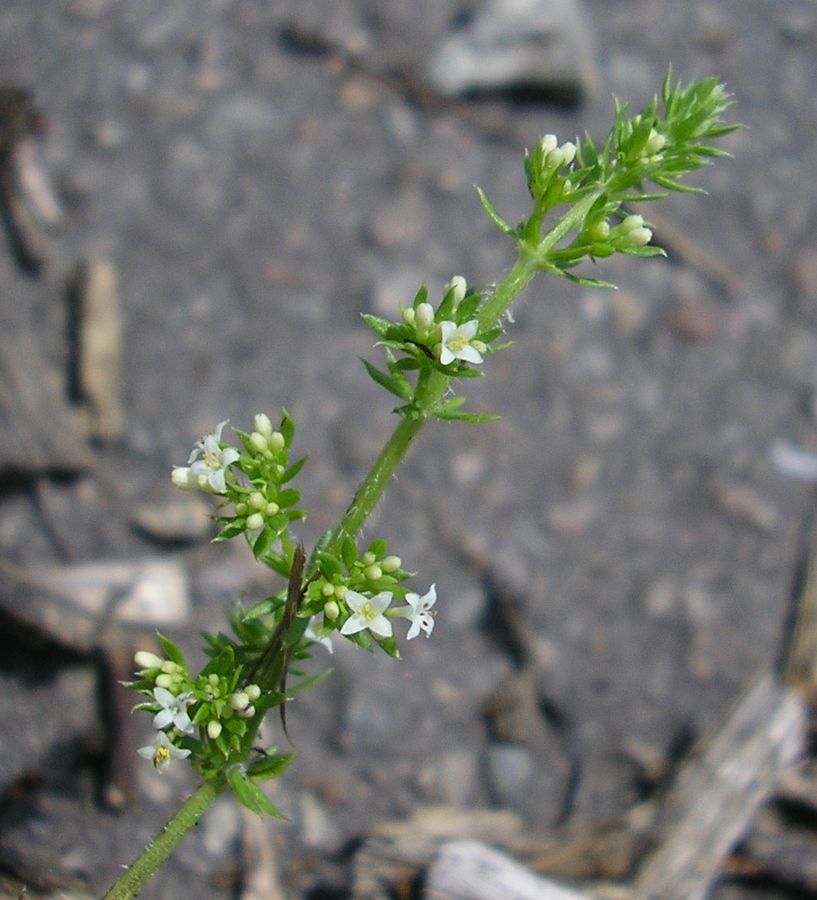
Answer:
(259, 173)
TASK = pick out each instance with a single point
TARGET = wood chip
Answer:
(718, 793)
(97, 335)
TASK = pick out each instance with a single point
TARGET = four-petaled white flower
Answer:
(312, 634)
(207, 466)
(161, 752)
(174, 710)
(456, 342)
(418, 612)
(367, 612)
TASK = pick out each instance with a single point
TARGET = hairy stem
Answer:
(157, 852)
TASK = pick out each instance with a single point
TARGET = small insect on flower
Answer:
(161, 752)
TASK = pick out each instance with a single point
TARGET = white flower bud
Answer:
(213, 729)
(373, 572)
(631, 223)
(183, 478)
(253, 691)
(549, 143)
(408, 315)
(239, 700)
(655, 142)
(164, 680)
(340, 591)
(247, 713)
(261, 423)
(272, 508)
(257, 500)
(423, 317)
(368, 558)
(276, 441)
(144, 659)
(568, 153)
(638, 237)
(459, 287)
(328, 590)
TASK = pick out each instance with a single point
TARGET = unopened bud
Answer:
(253, 691)
(423, 317)
(630, 223)
(164, 680)
(256, 520)
(549, 143)
(331, 611)
(258, 442)
(276, 441)
(638, 237)
(213, 729)
(239, 700)
(368, 558)
(144, 659)
(391, 563)
(257, 500)
(459, 287)
(261, 423)
(328, 590)
(408, 315)
(373, 572)
(272, 508)
(655, 142)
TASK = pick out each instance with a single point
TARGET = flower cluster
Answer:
(207, 715)
(447, 340)
(352, 594)
(252, 480)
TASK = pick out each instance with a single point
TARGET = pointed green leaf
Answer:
(493, 215)
(271, 765)
(171, 651)
(396, 385)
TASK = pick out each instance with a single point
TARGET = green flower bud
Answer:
(241, 508)
(253, 691)
(340, 591)
(256, 520)
(164, 680)
(276, 441)
(331, 611)
(328, 590)
(258, 442)
(408, 315)
(368, 558)
(272, 508)
(257, 500)
(373, 572)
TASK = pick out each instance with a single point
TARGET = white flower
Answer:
(311, 634)
(368, 613)
(161, 752)
(207, 467)
(456, 342)
(174, 709)
(418, 612)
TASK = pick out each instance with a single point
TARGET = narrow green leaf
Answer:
(380, 326)
(271, 765)
(287, 428)
(392, 383)
(171, 651)
(493, 215)
(469, 418)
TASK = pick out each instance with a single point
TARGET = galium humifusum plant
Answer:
(582, 194)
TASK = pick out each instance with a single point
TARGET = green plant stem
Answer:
(157, 852)
(531, 260)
